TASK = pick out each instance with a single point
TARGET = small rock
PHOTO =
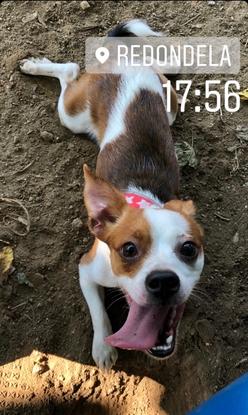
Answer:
(46, 136)
(211, 2)
(197, 26)
(23, 280)
(16, 139)
(84, 5)
(39, 368)
(76, 223)
(29, 17)
(236, 238)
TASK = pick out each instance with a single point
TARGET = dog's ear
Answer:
(186, 207)
(104, 203)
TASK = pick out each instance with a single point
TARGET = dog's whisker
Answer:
(199, 296)
(115, 301)
(202, 293)
(116, 295)
(194, 298)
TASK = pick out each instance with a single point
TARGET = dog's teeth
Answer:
(169, 340)
(164, 347)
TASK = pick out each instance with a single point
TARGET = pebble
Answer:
(84, 5)
(76, 223)
(46, 136)
(236, 238)
(38, 368)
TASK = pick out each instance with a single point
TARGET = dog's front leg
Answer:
(104, 356)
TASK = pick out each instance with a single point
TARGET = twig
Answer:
(83, 29)
(192, 18)
(222, 217)
(236, 161)
(4, 242)
(19, 171)
(18, 202)
(24, 168)
(244, 360)
(221, 116)
(28, 317)
(19, 305)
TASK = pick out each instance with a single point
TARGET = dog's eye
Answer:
(129, 250)
(189, 250)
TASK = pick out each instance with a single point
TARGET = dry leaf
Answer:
(244, 94)
(185, 154)
(22, 279)
(29, 17)
(6, 259)
(242, 132)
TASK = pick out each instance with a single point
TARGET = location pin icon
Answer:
(102, 54)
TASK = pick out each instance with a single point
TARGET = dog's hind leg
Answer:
(65, 72)
(73, 92)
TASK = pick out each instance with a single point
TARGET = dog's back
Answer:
(137, 147)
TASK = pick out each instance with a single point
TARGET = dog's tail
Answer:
(135, 27)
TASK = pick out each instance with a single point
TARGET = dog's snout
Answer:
(162, 284)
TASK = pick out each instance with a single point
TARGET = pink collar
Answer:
(138, 201)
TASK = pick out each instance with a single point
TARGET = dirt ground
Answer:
(45, 328)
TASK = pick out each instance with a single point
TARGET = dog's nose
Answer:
(162, 284)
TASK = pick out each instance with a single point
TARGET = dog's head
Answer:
(156, 256)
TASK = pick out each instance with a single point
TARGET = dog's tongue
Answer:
(141, 328)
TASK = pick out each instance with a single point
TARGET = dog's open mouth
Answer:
(166, 341)
(149, 328)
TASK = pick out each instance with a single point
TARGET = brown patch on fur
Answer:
(102, 97)
(144, 154)
(132, 226)
(90, 256)
(96, 90)
(76, 95)
(187, 209)
(196, 231)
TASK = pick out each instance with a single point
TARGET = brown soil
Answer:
(51, 316)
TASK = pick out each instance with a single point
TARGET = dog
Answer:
(147, 243)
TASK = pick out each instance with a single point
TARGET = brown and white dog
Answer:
(148, 243)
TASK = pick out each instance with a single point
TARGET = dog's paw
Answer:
(29, 66)
(104, 356)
